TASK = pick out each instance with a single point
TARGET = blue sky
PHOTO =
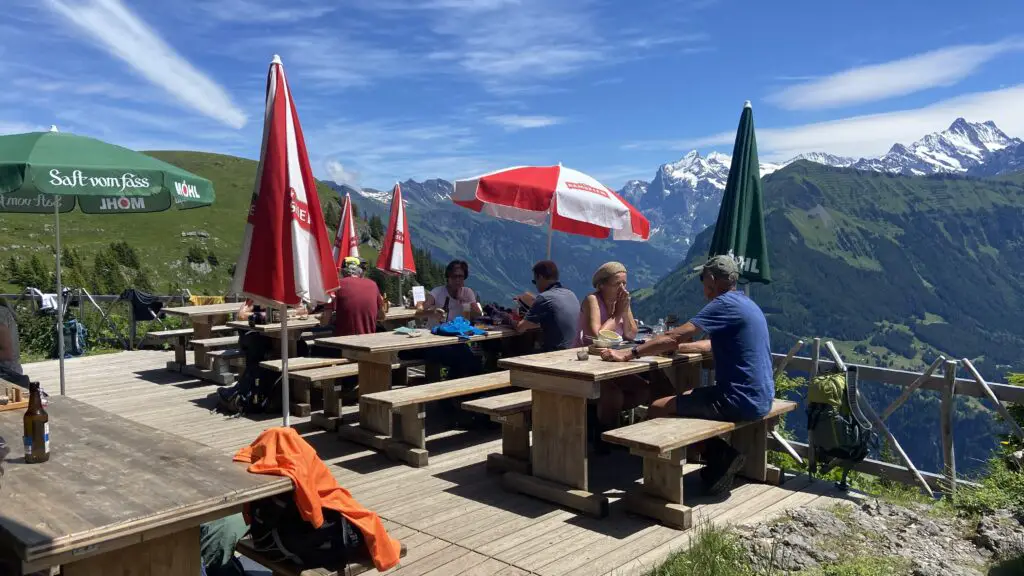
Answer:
(396, 89)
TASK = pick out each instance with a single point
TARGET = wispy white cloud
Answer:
(872, 134)
(523, 122)
(337, 172)
(120, 32)
(943, 67)
(18, 127)
(266, 11)
(649, 41)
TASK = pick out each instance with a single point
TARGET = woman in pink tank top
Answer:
(608, 308)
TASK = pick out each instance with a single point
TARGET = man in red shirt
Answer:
(358, 303)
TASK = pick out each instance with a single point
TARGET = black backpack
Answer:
(279, 531)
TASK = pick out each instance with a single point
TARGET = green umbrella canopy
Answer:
(740, 227)
(104, 178)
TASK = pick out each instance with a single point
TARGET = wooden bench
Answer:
(662, 443)
(179, 342)
(402, 435)
(202, 346)
(512, 411)
(220, 360)
(245, 548)
(324, 377)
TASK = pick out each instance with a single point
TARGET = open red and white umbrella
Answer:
(286, 254)
(566, 200)
(346, 241)
(396, 252)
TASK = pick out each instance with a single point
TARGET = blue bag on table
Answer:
(457, 326)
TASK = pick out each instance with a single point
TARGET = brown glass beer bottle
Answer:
(37, 428)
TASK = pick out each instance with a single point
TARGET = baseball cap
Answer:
(721, 266)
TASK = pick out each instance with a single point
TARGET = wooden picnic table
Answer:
(116, 497)
(204, 318)
(562, 384)
(377, 353)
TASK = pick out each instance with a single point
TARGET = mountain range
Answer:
(683, 197)
(680, 201)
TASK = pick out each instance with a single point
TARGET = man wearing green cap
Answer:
(744, 387)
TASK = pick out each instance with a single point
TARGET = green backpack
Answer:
(837, 432)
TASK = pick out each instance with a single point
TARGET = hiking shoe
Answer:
(722, 473)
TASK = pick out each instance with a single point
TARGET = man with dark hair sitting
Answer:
(739, 344)
(555, 310)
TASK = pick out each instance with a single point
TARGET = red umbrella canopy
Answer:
(572, 201)
(286, 254)
(346, 241)
(396, 253)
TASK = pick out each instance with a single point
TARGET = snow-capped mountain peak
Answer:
(959, 148)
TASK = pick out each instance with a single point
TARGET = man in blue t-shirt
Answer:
(744, 387)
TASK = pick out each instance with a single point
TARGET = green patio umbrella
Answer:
(49, 172)
(739, 230)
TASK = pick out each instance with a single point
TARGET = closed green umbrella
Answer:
(740, 227)
(43, 172)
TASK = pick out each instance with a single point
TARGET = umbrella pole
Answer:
(285, 407)
(60, 294)
(551, 232)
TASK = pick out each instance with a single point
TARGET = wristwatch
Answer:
(635, 351)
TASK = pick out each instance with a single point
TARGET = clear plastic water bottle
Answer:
(659, 328)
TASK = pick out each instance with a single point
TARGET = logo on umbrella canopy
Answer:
(186, 190)
(123, 203)
(586, 188)
(77, 178)
(300, 212)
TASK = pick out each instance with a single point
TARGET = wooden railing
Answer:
(940, 377)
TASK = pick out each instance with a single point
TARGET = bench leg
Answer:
(752, 441)
(409, 437)
(179, 355)
(661, 496)
(300, 398)
(332, 407)
(515, 445)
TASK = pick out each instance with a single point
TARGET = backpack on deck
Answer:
(837, 432)
(279, 531)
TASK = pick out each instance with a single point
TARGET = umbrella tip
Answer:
(276, 60)
(747, 104)
(53, 128)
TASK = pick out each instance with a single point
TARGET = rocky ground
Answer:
(920, 542)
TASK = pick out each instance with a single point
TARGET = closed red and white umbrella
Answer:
(396, 253)
(566, 200)
(346, 241)
(286, 253)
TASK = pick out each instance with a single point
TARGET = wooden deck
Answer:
(454, 518)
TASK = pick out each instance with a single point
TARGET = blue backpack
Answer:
(457, 326)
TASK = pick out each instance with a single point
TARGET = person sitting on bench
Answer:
(358, 303)
(740, 346)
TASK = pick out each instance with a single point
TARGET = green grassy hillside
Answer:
(163, 240)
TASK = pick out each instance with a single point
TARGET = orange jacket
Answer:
(282, 452)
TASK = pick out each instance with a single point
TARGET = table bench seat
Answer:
(245, 548)
(662, 443)
(512, 411)
(179, 339)
(394, 420)
(325, 377)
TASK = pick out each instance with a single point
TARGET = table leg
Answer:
(172, 555)
(374, 427)
(180, 361)
(559, 455)
(201, 328)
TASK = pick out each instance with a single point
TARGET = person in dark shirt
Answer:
(556, 310)
(739, 344)
(358, 303)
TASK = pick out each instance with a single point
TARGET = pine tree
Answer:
(376, 227)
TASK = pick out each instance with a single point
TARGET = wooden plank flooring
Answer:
(452, 515)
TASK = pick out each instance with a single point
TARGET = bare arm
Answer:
(695, 347)
(244, 312)
(667, 342)
(525, 325)
(382, 306)
(629, 327)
